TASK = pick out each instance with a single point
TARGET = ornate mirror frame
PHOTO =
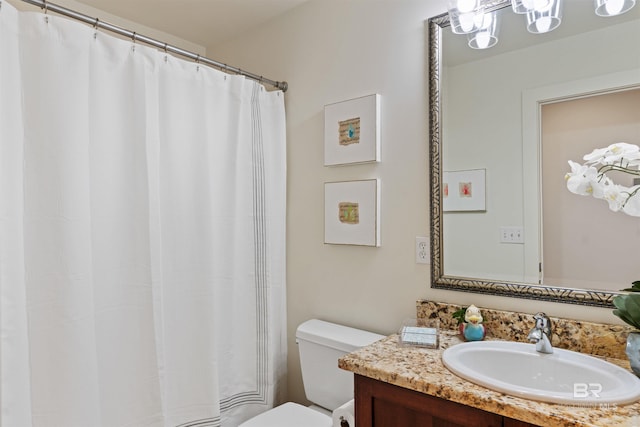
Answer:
(439, 280)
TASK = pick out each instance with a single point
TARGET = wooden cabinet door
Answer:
(379, 404)
(509, 422)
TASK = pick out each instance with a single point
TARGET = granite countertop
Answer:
(422, 370)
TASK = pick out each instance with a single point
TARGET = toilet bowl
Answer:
(290, 415)
(328, 387)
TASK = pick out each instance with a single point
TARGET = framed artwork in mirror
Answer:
(464, 191)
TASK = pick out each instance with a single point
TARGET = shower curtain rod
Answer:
(95, 22)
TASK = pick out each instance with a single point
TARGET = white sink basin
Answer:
(564, 377)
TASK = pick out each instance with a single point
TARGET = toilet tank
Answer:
(320, 344)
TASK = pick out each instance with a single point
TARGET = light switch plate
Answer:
(511, 234)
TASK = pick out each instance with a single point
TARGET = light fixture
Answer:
(469, 17)
(613, 7)
(462, 23)
(486, 34)
(543, 20)
(462, 14)
(523, 6)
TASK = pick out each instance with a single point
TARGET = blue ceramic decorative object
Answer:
(473, 331)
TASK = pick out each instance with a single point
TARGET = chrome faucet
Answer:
(541, 333)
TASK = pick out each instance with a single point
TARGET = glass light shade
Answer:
(524, 6)
(613, 7)
(464, 6)
(486, 35)
(462, 14)
(462, 23)
(546, 19)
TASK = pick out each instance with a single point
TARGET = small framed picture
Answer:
(352, 131)
(464, 191)
(351, 213)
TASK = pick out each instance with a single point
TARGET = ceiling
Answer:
(205, 22)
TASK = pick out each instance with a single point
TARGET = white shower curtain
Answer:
(142, 225)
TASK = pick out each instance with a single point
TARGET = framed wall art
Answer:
(351, 213)
(464, 191)
(352, 131)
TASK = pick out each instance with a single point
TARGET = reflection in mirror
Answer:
(598, 250)
(487, 110)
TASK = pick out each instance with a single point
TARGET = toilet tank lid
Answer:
(340, 337)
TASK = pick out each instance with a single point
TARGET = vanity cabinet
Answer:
(379, 404)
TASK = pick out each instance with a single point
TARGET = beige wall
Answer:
(127, 24)
(332, 50)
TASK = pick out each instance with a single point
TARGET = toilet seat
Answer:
(290, 415)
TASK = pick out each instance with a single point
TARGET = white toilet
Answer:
(320, 344)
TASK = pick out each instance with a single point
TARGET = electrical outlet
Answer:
(512, 234)
(422, 250)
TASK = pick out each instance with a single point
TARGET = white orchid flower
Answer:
(591, 178)
(613, 153)
(580, 179)
(599, 187)
(596, 155)
(633, 161)
(632, 205)
(616, 195)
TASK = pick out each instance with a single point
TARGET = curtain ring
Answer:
(134, 36)
(45, 6)
(95, 24)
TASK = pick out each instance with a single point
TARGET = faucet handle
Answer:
(543, 323)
